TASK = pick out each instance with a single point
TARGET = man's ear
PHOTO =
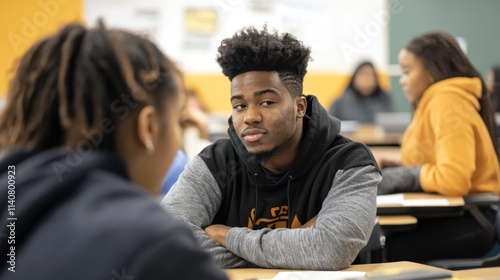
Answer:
(148, 127)
(301, 106)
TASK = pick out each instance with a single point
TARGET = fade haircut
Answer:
(254, 50)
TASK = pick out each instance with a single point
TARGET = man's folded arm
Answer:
(195, 199)
(342, 228)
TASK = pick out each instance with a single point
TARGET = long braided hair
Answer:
(81, 82)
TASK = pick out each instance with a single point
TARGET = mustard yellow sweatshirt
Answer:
(448, 138)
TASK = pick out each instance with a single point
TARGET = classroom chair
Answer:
(472, 204)
(373, 252)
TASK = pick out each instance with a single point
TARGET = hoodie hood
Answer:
(320, 130)
(46, 180)
(469, 88)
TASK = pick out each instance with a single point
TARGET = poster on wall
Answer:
(340, 33)
(200, 26)
(141, 17)
(334, 30)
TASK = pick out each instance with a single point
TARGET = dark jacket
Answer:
(331, 177)
(300, 192)
(77, 216)
(351, 106)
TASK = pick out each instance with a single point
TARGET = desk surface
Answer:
(424, 205)
(426, 199)
(372, 135)
(262, 273)
(480, 273)
(399, 220)
(388, 153)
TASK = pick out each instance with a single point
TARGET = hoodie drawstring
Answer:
(256, 199)
(289, 224)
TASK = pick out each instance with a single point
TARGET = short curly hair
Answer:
(254, 50)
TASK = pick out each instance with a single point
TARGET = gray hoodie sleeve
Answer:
(342, 229)
(195, 199)
(400, 179)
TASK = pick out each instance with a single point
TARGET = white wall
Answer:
(340, 32)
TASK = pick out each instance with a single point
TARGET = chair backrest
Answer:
(374, 249)
(472, 204)
(498, 226)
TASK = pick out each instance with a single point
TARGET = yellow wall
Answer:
(26, 21)
(214, 90)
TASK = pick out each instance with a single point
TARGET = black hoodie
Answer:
(300, 192)
(331, 178)
(77, 216)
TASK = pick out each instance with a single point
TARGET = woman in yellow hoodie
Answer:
(449, 148)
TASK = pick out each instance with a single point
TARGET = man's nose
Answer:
(252, 115)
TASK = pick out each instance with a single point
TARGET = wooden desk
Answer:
(372, 135)
(252, 273)
(263, 273)
(488, 273)
(421, 205)
(391, 224)
(389, 153)
(400, 220)
(379, 267)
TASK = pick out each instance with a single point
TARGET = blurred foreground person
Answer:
(90, 127)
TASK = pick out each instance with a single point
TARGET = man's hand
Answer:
(218, 233)
(310, 223)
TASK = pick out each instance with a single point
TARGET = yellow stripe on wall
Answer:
(26, 21)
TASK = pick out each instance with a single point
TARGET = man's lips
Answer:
(253, 134)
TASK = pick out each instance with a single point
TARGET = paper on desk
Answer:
(319, 275)
(399, 199)
(426, 202)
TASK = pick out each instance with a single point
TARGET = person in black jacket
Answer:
(89, 129)
(363, 97)
(286, 190)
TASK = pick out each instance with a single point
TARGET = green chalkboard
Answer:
(476, 21)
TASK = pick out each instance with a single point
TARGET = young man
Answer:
(286, 190)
